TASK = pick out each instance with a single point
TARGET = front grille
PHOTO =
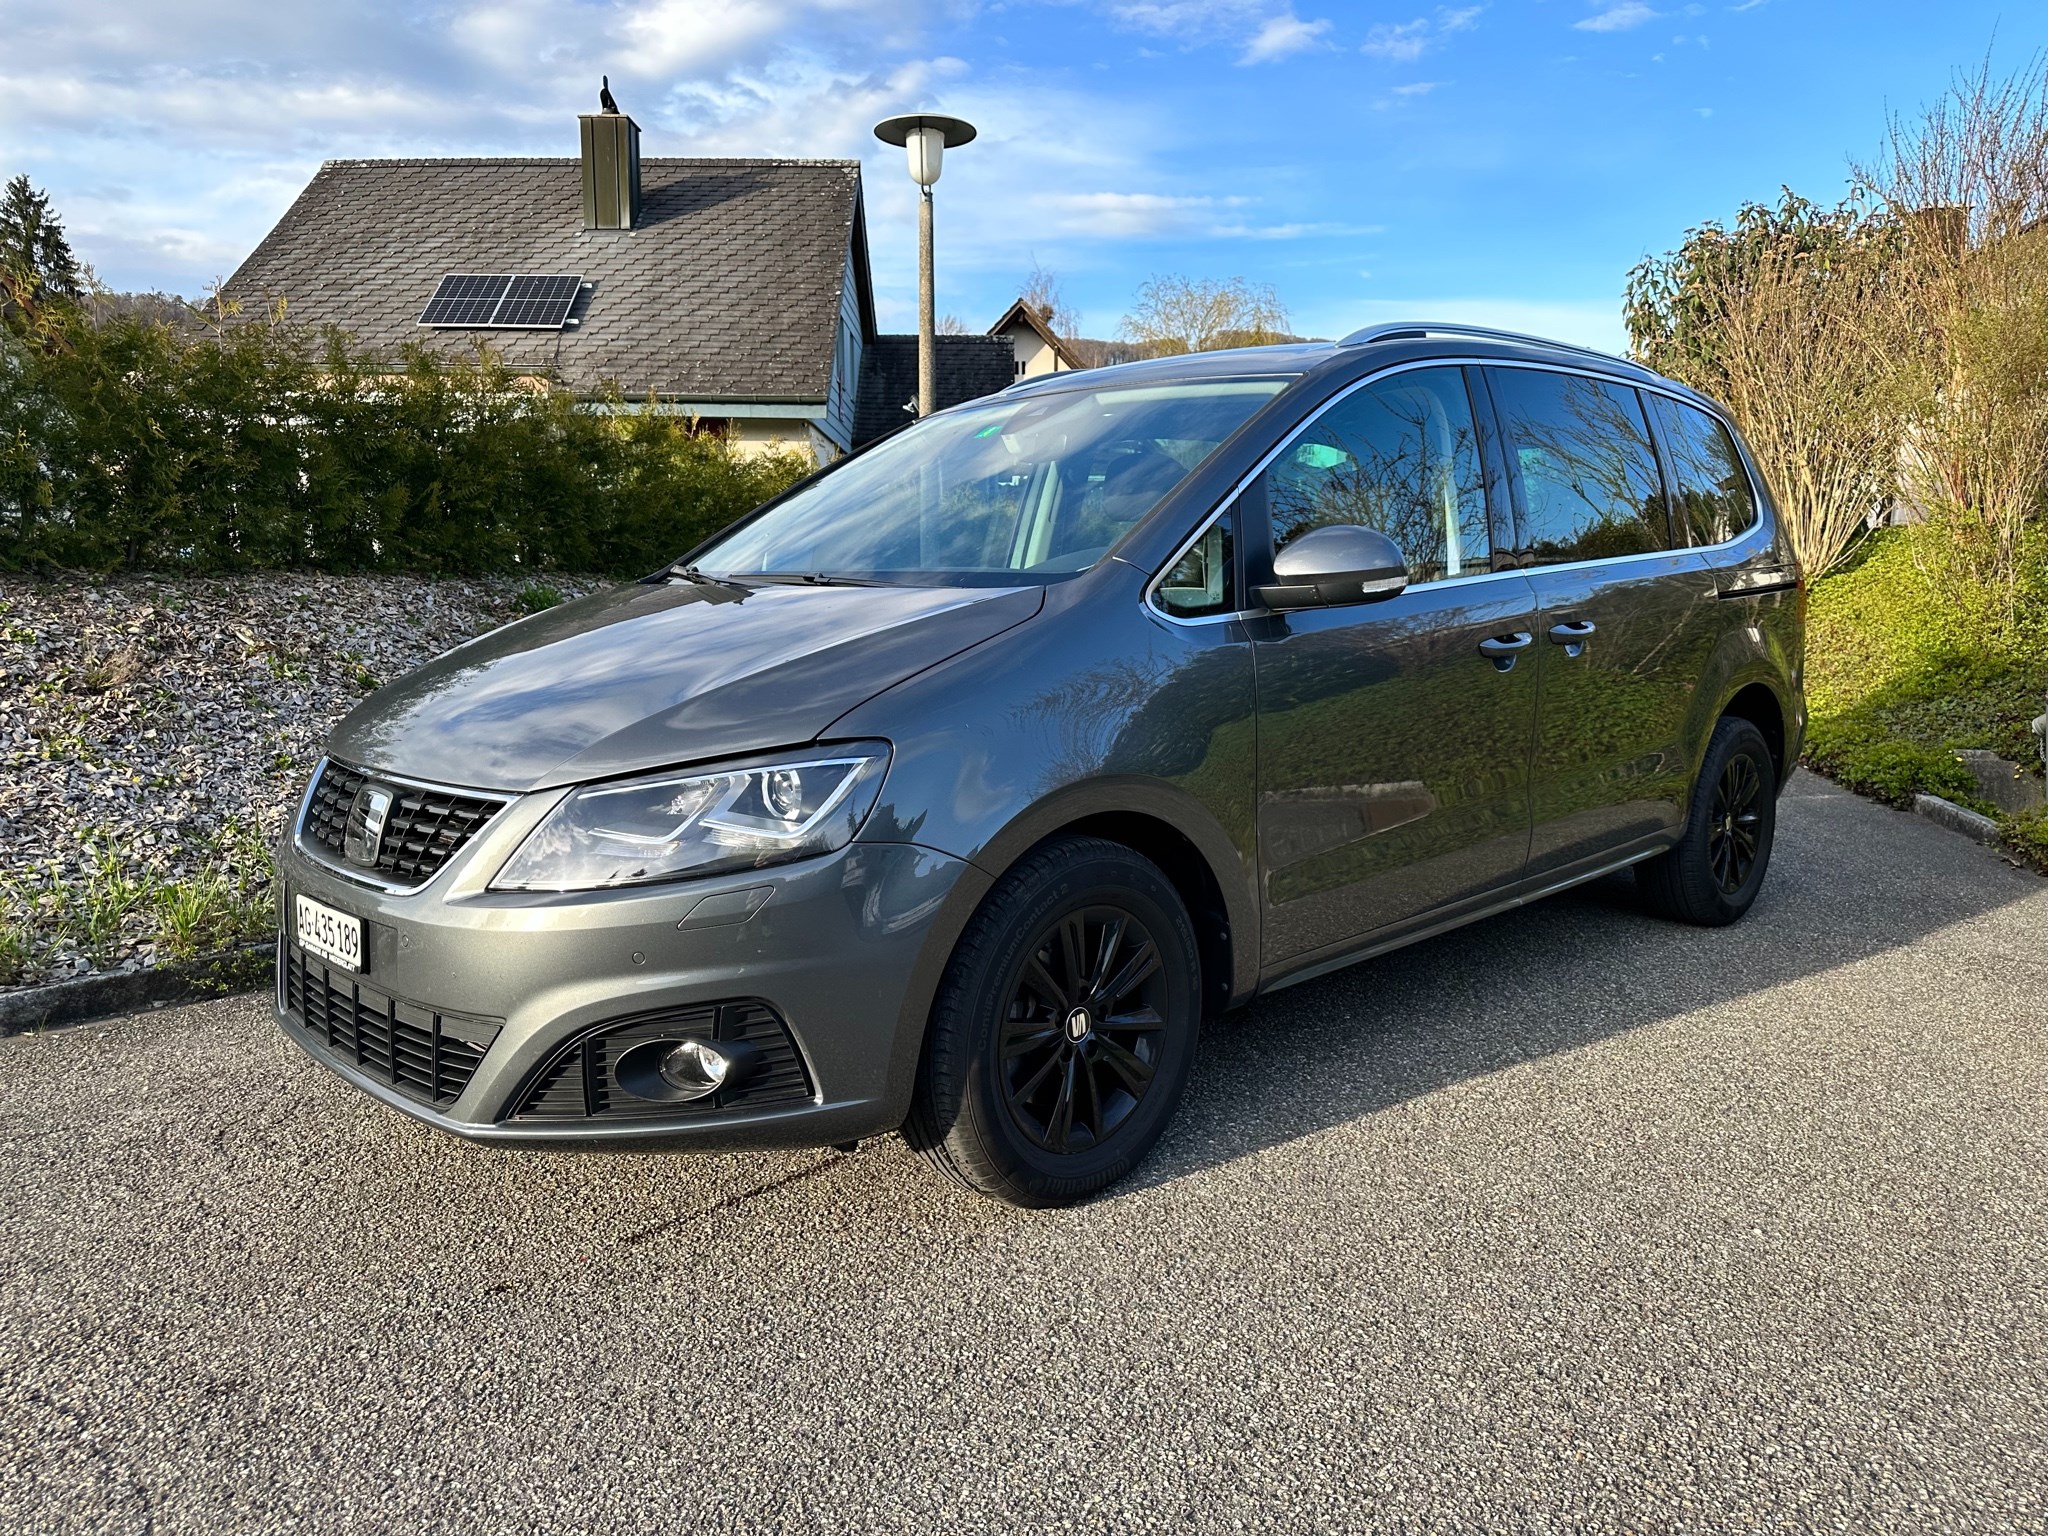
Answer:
(424, 830)
(423, 1053)
(577, 1083)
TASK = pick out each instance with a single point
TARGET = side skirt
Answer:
(1444, 919)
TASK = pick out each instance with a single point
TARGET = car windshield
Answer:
(1035, 487)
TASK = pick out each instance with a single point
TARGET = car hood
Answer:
(654, 674)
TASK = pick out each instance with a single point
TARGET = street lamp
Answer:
(925, 136)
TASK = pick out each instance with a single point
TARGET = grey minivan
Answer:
(951, 791)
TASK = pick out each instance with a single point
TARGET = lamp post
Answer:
(925, 136)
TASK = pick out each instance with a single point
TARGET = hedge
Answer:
(127, 444)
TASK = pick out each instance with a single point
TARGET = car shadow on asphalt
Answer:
(1850, 880)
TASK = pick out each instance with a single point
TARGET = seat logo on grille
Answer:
(365, 831)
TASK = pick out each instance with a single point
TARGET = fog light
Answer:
(684, 1071)
(696, 1068)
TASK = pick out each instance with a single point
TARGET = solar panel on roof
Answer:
(526, 301)
(465, 298)
(538, 303)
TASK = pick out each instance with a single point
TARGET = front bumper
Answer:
(837, 951)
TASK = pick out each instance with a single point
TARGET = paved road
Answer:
(1571, 1222)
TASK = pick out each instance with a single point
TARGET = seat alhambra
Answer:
(951, 791)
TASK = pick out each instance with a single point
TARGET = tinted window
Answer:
(1200, 581)
(1581, 450)
(1713, 495)
(1400, 456)
(1042, 485)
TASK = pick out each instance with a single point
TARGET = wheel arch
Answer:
(1200, 892)
(1760, 706)
(1750, 676)
(1177, 832)
(1153, 819)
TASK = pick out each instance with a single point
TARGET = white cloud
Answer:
(1404, 94)
(1290, 231)
(1402, 41)
(174, 132)
(1192, 20)
(1261, 30)
(1132, 215)
(1406, 41)
(1618, 18)
(1283, 35)
(1140, 216)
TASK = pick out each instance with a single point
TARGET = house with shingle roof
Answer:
(1034, 345)
(737, 291)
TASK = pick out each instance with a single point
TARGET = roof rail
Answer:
(1420, 330)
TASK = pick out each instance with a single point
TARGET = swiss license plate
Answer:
(334, 936)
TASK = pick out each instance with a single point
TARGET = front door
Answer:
(1393, 737)
(1626, 622)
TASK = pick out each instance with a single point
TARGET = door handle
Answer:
(1502, 650)
(1572, 635)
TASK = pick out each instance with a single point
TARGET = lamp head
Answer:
(924, 137)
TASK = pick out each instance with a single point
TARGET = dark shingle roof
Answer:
(968, 368)
(728, 288)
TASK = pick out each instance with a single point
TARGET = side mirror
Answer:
(1335, 566)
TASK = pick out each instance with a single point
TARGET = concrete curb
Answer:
(1946, 813)
(100, 997)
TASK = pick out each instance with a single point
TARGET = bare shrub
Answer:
(1174, 314)
(1968, 177)
(1797, 318)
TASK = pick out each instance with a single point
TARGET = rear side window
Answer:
(1588, 477)
(1401, 456)
(1715, 503)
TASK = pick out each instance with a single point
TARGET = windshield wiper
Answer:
(814, 579)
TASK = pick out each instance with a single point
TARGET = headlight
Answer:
(678, 824)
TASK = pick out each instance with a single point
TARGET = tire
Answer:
(1713, 873)
(1066, 932)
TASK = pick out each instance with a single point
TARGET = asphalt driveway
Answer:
(1572, 1221)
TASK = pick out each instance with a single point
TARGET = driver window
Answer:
(1401, 456)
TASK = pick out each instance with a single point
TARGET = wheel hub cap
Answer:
(1079, 1023)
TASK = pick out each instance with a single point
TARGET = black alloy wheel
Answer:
(1713, 872)
(1733, 824)
(1080, 1039)
(1064, 1029)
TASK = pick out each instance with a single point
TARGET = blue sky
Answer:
(1503, 162)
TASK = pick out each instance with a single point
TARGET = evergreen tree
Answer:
(34, 254)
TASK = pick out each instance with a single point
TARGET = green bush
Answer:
(1859, 753)
(2027, 836)
(535, 597)
(128, 444)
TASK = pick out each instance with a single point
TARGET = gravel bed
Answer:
(157, 731)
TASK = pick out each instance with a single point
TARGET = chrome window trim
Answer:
(1458, 361)
(318, 854)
